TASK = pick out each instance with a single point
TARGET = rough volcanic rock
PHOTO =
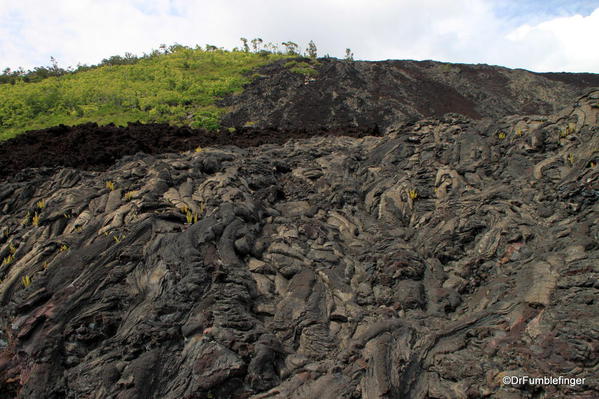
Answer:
(428, 263)
(385, 93)
(92, 147)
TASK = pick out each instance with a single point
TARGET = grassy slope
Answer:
(178, 88)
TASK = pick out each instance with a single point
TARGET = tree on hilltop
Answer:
(312, 51)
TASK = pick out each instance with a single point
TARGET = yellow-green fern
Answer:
(35, 220)
(8, 260)
(26, 281)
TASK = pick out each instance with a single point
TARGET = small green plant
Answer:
(249, 124)
(413, 194)
(63, 248)
(26, 281)
(519, 132)
(571, 159)
(8, 260)
(501, 135)
(191, 217)
(129, 195)
(118, 238)
(41, 204)
(25, 220)
(568, 130)
(198, 149)
(35, 220)
(231, 130)
(184, 208)
(12, 249)
(110, 185)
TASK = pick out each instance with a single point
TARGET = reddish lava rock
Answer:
(93, 147)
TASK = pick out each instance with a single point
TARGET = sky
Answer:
(538, 35)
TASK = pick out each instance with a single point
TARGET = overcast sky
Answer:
(539, 35)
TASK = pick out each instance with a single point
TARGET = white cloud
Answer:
(560, 44)
(457, 31)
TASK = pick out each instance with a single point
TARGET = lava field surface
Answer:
(397, 247)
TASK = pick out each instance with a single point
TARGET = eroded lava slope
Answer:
(428, 262)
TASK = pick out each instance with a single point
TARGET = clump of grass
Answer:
(198, 149)
(413, 194)
(519, 132)
(26, 281)
(41, 204)
(110, 185)
(12, 249)
(63, 248)
(501, 135)
(571, 159)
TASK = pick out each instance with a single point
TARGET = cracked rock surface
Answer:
(427, 263)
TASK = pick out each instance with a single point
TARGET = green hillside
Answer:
(178, 87)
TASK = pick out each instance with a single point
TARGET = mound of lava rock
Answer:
(431, 262)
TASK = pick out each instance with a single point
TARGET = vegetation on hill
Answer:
(177, 85)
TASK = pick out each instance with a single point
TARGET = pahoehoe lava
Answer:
(420, 253)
